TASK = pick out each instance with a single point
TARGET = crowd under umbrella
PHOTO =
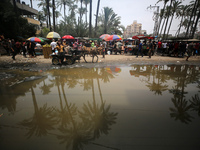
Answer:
(114, 37)
(53, 35)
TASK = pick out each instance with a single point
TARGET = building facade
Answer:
(133, 29)
(28, 13)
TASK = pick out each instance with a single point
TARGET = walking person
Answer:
(150, 48)
(14, 49)
(190, 50)
(61, 53)
(104, 48)
(31, 48)
(139, 49)
(164, 48)
(24, 45)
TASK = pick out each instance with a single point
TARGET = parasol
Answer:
(104, 36)
(35, 39)
(53, 35)
(114, 37)
(67, 37)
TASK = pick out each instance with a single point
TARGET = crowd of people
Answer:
(139, 47)
(13, 47)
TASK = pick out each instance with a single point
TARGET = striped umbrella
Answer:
(35, 39)
(104, 36)
(114, 37)
(53, 35)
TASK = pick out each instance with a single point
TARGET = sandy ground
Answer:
(40, 62)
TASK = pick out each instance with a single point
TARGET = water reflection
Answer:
(76, 107)
(157, 78)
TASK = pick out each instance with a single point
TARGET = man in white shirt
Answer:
(53, 45)
(164, 45)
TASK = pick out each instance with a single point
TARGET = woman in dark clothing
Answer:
(14, 49)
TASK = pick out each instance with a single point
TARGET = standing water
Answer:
(120, 108)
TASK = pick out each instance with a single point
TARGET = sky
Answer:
(129, 10)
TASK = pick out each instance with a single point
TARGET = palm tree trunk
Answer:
(162, 28)
(161, 17)
(195, 17)
(31, 3)
(170, 25)
(194, 29)
(98, 4)
(167, 19)
(191, 16)
(54, 19)
(86, 15)
(15, 6)
(180, 25)
(90, 21)
(49, 16)
(64, 11)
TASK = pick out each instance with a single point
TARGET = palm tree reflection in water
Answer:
(76, 127)
(42, 120)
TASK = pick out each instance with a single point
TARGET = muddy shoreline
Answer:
(41, 63)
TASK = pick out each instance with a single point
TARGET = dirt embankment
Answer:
(41, 63)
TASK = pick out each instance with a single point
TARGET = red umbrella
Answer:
(67, 37)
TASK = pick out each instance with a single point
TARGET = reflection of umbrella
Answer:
(114, 37)
(67, 37)
(53, 35)
(35, 39)
(104, 36)
(113, 70)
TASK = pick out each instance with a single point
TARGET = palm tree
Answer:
(42, 120)
(168, 14)
(90, 20)
(86, 2)
(31, 3)
(195, 103)
(182, 13)
(49, 15)
(57, 14)
(97, 13)
(175, 8)
(193, 5)
(64, 3)
(109, 20)
(165, 17)
(161, 14)
(197, 18)
(43, 4)
(54, 18)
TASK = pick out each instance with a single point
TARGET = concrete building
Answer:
(133, 29)
(28, 13)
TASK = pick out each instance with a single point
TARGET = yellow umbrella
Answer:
(53, 35)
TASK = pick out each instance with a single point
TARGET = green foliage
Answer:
(44, 32)
(12, 25)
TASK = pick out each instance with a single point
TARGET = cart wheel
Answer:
(70, 61)
(55, 61)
